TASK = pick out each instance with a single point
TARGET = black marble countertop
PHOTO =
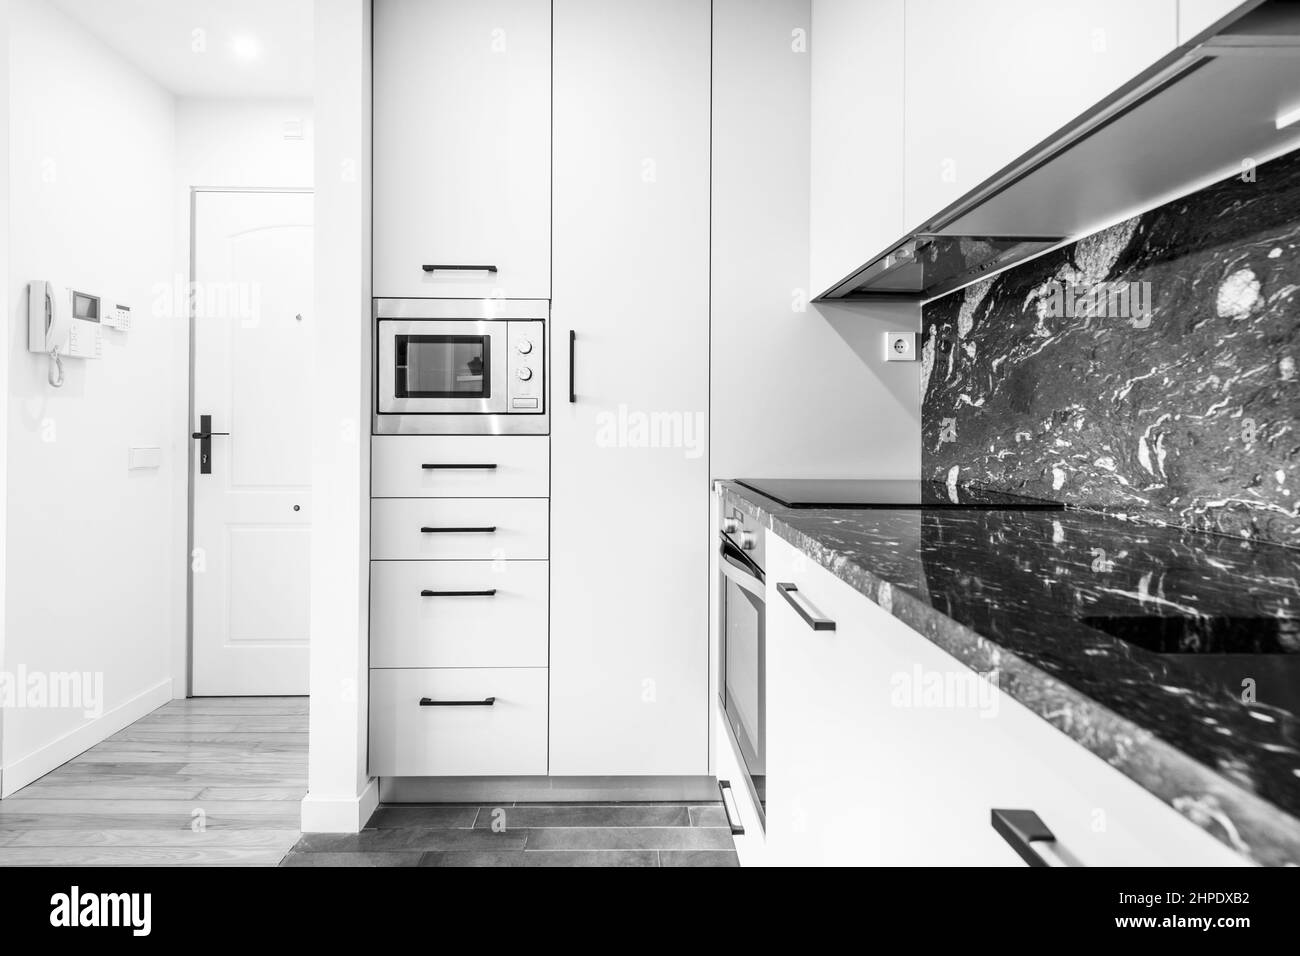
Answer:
(1216, 736)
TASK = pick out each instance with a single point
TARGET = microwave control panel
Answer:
(525, 342)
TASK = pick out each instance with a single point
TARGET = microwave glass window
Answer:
(443, 366)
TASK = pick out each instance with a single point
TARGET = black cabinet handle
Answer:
(1022, 829)
(207, 434)
(485, 702)
(728, 804)
(573, 337)
(812, 617)
(487, 530)
(490, 592)
(447, 268)
(439, 467)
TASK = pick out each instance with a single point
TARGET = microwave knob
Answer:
(747, 540)
(730, 525)
(524, 346)
(524, 373)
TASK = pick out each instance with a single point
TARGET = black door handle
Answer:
(439, 467)
(204, 436)
(490, 592)
(573, 337)
(485, 702)
(487, 530)
(1022, 829)
(447, 268)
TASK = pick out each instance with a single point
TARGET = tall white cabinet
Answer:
(629, 464)
(462, 148)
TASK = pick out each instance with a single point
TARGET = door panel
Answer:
(252, 514)
(629, 482)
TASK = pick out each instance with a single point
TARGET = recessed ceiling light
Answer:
(245, 48)
(1286, 118)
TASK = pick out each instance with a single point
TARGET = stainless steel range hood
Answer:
(1208, 110)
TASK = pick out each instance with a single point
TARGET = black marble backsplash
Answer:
(1148, 370)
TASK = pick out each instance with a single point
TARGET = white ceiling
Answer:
(188, 45)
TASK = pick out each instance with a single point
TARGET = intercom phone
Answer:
(54, 330)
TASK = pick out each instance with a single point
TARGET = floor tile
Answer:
(411, 838)
(698, 858)
(590, 858)
(386, 818)
(631, 838)
(708, 816)
(583, 816)
(297, 858)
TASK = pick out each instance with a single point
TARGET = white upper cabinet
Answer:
(1195, 15)
(985, 80)
(462, 143)
(857, 135)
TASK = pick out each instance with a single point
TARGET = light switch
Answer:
(143, 457)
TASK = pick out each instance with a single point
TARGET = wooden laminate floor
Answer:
(199, 782)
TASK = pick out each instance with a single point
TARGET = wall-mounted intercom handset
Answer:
(62, 324)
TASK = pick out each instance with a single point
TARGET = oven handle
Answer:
(740, 570)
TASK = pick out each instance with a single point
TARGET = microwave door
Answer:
(439, 367)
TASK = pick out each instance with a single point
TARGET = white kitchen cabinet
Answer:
(986, 80)
(857, 136)
(460, 466)
(629, 478)
(884, 749)
(462, 146)
(458, 529)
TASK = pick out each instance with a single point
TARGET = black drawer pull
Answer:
(1022, 829)
(490, 592)
(729, 804)
(573, 395)
(485, 702)
(487, 530)
(812, 617)
(431, 467)
(447, 268)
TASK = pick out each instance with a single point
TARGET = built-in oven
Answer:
(742, 655)
(460, 366)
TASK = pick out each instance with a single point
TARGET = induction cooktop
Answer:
(886, 493)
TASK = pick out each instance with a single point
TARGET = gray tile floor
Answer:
(528, 834)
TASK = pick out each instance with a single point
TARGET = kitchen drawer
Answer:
(453, 466)
(411, 740)
(422, 616)
(512, 529)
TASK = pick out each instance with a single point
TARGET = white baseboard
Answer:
(340, 815)
(59, 751)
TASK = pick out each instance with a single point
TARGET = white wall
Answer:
(797, 390)
(4, 339)
(87, 569)
(219, 143)
(340, 795)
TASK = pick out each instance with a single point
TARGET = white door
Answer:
(252, 496)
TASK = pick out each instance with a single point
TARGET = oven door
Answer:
(437, 367)
(744, 663)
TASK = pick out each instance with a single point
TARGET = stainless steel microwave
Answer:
(460, 366)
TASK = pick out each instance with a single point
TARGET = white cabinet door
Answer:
(988, 79)
(884, 749)
(857, 135)
(629, 479)
(462, 144)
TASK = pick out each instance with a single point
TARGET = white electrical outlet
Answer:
(900, 346)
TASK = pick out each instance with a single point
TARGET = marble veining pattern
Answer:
(1148, 370)
(1007, 592)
